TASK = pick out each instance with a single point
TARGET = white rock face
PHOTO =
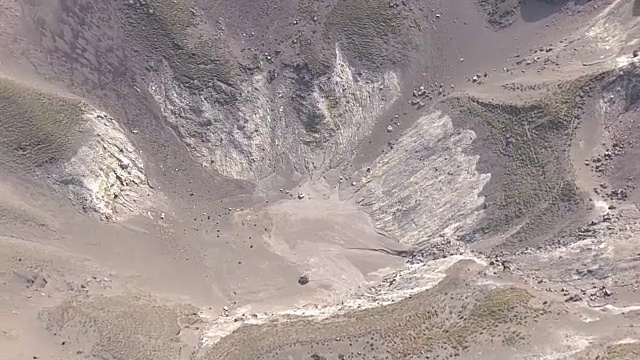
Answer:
(106, 176)
(351, 108)
(263, 134)
(426, 189)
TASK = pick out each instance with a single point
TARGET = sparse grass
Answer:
(37, 128)
(497, 308)
(629, 351)
(120, 327)
(525, 147)
(622, 352)
(174, 16)
(369, 31)
(433, 321)
(317, 58)
(200, 63)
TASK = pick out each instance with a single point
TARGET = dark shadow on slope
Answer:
(537, 10)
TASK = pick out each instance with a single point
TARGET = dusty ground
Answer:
(292, 179)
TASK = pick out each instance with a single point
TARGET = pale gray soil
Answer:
(293, 179)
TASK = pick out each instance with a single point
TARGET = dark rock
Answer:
(31, 279)
(271, 75)
(303, 279)
(508, 265)
(574, 298)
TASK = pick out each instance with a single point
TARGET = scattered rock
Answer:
(618, 194)
(301, 196)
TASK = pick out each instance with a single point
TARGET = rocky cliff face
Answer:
(271, 127)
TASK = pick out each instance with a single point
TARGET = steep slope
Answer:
(190, 179)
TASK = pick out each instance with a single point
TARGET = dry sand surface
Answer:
(297, 179)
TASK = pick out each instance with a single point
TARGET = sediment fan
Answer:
(636, 8)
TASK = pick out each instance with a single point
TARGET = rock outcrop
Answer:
(106, 177)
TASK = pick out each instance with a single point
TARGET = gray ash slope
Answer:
(217, 150)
